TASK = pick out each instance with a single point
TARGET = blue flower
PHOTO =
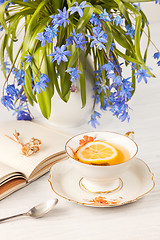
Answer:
(125, 90)
(69, 41)
(74, 72)
(112, 45)
(105, 104)
(93, 120)
(1, 27)
(50, 33)
(158, 63)
(44, 78)
(108, 67)
(7, 101)
(116, 64)
(42, 38)
(117, 80)
(22, 96)
(97, 98)
(111, 75)
(22, 112)
(60, 54)
(41, 84)
(78, 39)
(94, 20)
(119, 108)
(60, 18)
(105, 16)
(12, 91)
(130, 31)
(2, 1)
(28, 59)
(156, 55)
(99, 37)
(134, 66)
(23, 115)
(99, 71)
(78, 8)
(7, 69)
(117, 20)
(142, 74)
(19, 76)
(100, 85)
(157, 1)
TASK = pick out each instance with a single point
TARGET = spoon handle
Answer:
(11, 217)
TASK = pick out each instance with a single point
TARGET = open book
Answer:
(18, 170)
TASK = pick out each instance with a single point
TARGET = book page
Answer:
(7, 172)
(10, 151)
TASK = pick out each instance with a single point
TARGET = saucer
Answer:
(136, 182)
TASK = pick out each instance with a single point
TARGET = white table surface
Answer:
(69, 221)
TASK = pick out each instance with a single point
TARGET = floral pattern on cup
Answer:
(82, 142)
(85, 140)
(102, 201)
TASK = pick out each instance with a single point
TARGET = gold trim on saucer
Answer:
(81, 185)
(114, 205)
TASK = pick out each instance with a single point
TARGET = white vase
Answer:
(71, 114)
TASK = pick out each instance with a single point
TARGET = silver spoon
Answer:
(37, 211)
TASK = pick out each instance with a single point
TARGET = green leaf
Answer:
(32, 4)
(31, 24)
(133, 82)
(137, 38)
(136, 1)
(73, 59)
(64, 79)
(56, 82)
(127, 58)
(46, 68)
(28, 82)
(39, 28)
(122, 39)
(86, 17)
(123, 11)
(2, 19)
(28, 96)
(50, 68)
(3, 46)
(102, 98)
(44, 98)
(148, 35)
(82, 85)
(108, 29)
(12, 30)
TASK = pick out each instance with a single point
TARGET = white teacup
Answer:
(101, 178)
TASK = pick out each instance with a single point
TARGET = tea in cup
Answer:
(101, 158)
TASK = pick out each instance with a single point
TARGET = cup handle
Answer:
(130, 134)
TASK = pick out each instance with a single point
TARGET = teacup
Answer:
(101, 178)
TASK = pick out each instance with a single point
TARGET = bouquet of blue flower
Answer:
(56, 33)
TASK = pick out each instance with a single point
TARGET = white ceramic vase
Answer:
(71, 114)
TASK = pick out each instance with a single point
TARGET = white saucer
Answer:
(66, 182)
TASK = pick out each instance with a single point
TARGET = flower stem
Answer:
(12, 67)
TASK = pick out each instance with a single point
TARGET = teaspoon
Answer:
(35, 212)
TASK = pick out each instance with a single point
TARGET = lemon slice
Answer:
(96, 152)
